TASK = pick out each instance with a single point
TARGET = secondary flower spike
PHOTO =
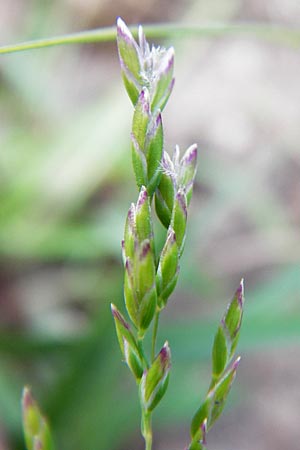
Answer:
(224, 368)
(145, 66)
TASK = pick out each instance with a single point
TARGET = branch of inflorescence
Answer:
(277, 33)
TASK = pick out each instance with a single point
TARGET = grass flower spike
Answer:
(150, 278)
(224, 367)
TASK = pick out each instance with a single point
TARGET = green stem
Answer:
(154, 335)
(140, 343)
(283, 34)
(106, 34)
(147, 429)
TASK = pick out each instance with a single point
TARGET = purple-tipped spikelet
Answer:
(154, 151)
(146, 143)
(119, 318)
(226, 338)
(139, 282)
(188, 170)
(168, 269)
(143, 66)
(155, 380)
(177, 176)
(143, 217)
(141, 119)
(128, 343)
(130, 60)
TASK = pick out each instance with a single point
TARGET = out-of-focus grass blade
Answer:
(91, 385)
(10, 391)
(46, 241)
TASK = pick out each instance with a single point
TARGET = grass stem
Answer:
(283, 34)
(147, 429)
(154, 335)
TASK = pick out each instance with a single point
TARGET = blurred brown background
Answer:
(65, 187)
